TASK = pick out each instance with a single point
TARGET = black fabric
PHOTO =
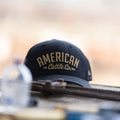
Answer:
(57, 57)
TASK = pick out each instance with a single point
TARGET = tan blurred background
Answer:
(92, 25)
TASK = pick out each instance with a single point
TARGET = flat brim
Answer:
(66, 78)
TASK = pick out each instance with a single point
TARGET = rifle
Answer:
(48, 88)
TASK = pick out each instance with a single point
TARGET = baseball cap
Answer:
(55, 59)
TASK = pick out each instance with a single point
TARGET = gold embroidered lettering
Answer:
(50, 66)
(56, 66)
(67, 67)
(71, 61)
(52, 57)
(46, 58)
(66, 57)
(58, 55)
(62, 56)
(76, 63)
(40, 62)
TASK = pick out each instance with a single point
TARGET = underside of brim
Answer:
(66, 78)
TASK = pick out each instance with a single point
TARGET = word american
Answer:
(58, 57)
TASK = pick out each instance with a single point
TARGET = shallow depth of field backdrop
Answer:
(92, 25)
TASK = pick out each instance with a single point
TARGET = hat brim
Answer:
(66, 78)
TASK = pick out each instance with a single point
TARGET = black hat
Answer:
(54, 59)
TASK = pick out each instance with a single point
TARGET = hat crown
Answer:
(58, 57)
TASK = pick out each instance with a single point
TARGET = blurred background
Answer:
(92, 25)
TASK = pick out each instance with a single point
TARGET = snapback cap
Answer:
(54, 59)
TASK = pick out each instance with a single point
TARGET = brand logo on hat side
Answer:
(55, 60)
